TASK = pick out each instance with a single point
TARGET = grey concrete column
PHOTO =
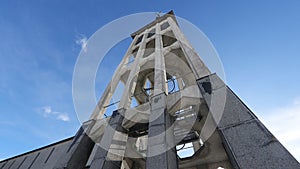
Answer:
(79, 151)
(99, 110)
(198, 67)
(160, 78)
(248, 143)
(109, 154)
(131, 81)
(160, 153)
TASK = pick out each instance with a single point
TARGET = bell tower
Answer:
(173, 113)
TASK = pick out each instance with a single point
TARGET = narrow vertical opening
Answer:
(140, 38)
(134, 51)
(130, 60)
(150, 48)
(172, 84)
(164, 26)
(134, 102)
(115, 100)
(168, 38)
(148, 87)
(151, 33)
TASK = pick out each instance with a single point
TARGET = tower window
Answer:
(168, 38)
(150, 48)
(139, 40)
(134, 52)
(172, 84)
(134, 102)
(148, 87)
(151, 33)
(164, 26)
(130, 60)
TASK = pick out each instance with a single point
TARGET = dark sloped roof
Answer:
(44, 157)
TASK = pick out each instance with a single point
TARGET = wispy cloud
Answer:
(63, 117)
(82, 41)
(283, 122)
(47, 111)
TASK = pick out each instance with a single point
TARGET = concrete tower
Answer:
(173, 113)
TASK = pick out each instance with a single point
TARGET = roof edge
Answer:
(158, 19)
(38, 149)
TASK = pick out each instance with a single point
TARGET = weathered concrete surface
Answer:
(194, 61)
(247, 141)
(110, 153)
(44, 157)
(160, 154)
(79, 151)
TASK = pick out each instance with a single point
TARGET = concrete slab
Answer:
(9, 164)
(29, 160)
(18, 162)
(104, 158)
(56, 153)
(255, 147)
(247, 141)
(78, 152)
(40, 162)
(234, 111)
(2, 164)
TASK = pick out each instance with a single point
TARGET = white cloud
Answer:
(63, 117)
(283, 122)
(46, 111)
(82, 41)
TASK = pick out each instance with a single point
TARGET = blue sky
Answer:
(257, 41)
